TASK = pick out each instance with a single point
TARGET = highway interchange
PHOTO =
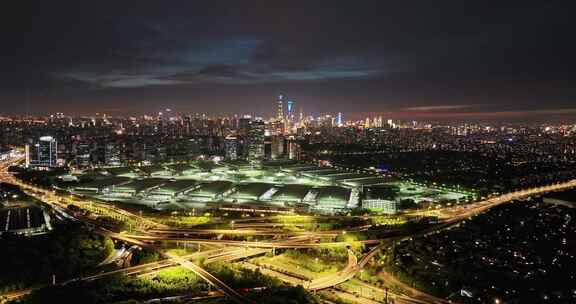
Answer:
(152, 234)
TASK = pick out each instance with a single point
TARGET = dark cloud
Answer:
(219, 71)
(329, 55)
(214, 73)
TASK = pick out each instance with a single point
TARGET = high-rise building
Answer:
(244, 125)
(42, 153)
(289, 121)
(267, 147)
(277, 147)
(231, 147)
(280, 114)
(83, 155)
(293, 148)
(279, 124)
(290, 109)
(339, 119)
(112, 154)
(187, 124)
(256, 135)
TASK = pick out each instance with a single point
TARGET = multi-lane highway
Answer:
(201, 272)
(140, 239)
(342, 276)
(14, 295)
(222, 254)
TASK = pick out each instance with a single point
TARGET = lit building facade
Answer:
(280, 113)
(231, 147)
(385, 206)
(256, 136)
(42, 153)
(112, 154)
(83, 155)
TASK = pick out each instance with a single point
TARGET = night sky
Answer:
(405, 59)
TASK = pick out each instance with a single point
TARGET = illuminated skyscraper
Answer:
(231, 147)
(267, 147)
(83, 155)
(280, 115)
(277, 150)
(187, 124)
(273, 147)
(256, 135)
(244, 125)
(293, 148)
(290, 108)
(339, 119)
(42, 153)
(112, 154)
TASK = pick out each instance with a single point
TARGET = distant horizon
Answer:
(555, 116)
(466, 112)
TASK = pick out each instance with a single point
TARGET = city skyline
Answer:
(453, 60)
(298, 152)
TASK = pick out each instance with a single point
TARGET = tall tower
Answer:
(256, 135)
(280, 115)
(290, 108)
